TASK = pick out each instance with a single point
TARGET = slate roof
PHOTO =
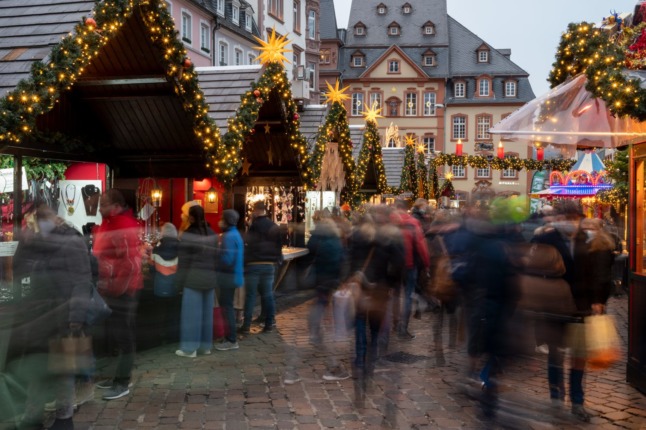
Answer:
(413, 53)
(393, 162)
(29, 29)
(228, 23)
(327, 20)
(312, 117)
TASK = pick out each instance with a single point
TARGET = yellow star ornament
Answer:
(372, 114)
(410, 140)
(336, 94)
(273, 50)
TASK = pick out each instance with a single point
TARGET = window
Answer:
(459, 172)
(223, 54)
(483, 56)
(357, 61)
(235, 14)
(252, 58)
(483, 124)
(406, 8)
(510, 89)
(509, 174)
(429, 29)
(219, 7)
(429, 60)
(459, 129)
(393, 66)
(483, 173)
(429, 144)
(186, 27)
(429, 104)
(238, 57)
(248, 21)
(392, 143)
(325, 56)
(458, 90)
(411, 104)
(357, 104)
(311, 25)
(276, 8)
(393, 30)
(205, 37)
(375, 100)
(297, 16)
(169, 7)
(311, 67)
(382, 9)
(483, 88)
(359, 31)
(393, 107)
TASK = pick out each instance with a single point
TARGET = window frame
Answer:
(297, 16)
(485, 135)
(391, 70)
(461, 94)
(463, 169)
(514, 85)
(219, 7)
(275, 8)
(235, 14)
(382, 9)
(187, 37)
(483, 56)
(376, 95)
(396, 32)
(223, 47)
(248, 22)
(426, 140)
(325, 56)
(311, 24)
(428, 57)
(251, 58)
(356, 109)
(484, 84)
(432, 99)
(206, 47)
(407, 9)
(429, 30)
(169, 7)
(357, 57)
(464, 133)
(410, 96)
(509, 173)
(360, 30)
(237, 56)
(478, 172)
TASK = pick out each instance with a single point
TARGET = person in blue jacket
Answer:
(229, 271)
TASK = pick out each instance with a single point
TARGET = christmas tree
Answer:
(423, 190)
(409, 170)
(434, 182)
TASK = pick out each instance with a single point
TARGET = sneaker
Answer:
(227, 346)
(579, 412)
(405, 335)
(83, 393)
(268, 329)
(203, 352)
(244, 330)
(291, 379)
(116, 392)
(336, 375)
(186, 354)
(104, 384)
(50, 406)
(542, 349)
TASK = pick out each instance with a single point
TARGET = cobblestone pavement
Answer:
(244, 389)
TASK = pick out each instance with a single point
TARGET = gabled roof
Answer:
(394, 49)
(441, 70)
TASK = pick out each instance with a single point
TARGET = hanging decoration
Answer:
(273, 51)
(332, 176)
(507, 163)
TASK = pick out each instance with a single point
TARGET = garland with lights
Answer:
(423, 190)
(370, 152)
(335, 129)
(618, 172)
(409, 171)
(434, 182)
(68, 59)
(603, 57)
(36, 168)
(495, 163)
(447, 189)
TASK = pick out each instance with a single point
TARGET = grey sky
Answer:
(531, 28)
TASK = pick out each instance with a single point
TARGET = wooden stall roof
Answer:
(123, 109)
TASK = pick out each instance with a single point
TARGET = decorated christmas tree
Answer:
(409, 170)
(423, 190)
(447, 189)
(332, 164)
(370, 154)
(434, 182)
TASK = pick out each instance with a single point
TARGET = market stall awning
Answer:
(590, 162)
(569, 115)
(123, 109)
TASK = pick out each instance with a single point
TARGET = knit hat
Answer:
(231, 217)
(169, 230)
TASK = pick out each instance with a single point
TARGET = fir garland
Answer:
(481, 162)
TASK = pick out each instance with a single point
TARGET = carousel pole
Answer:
(17, 216)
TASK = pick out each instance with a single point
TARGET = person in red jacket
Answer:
(416, 258)
(116, 247)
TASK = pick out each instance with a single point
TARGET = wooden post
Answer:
(17, 220)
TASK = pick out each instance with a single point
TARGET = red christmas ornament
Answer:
(259, 100)
(252, 131)
(187, 63)
(90, 22)
(296, 116)
(256, 93)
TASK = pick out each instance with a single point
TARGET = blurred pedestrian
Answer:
(196, 274)
(230, 276)
(164, 261)
(263, 252)
(116, 247)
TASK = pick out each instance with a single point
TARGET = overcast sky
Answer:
(531, 28)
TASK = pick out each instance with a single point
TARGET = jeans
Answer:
(410, 281)
(317, 312)
(259, 278)
(225, 298)
(196, 325)
(121, 328)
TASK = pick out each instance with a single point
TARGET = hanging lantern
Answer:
(211, 195)
(156, 196)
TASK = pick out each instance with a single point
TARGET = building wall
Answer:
(199, 57)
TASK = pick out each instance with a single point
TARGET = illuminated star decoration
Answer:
(267, 128)
(273, 50)
(245, 167)
(372, 114)
(421, 149)
(336, 94)
(410, 140)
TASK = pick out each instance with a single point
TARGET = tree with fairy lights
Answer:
(447, 189)
(409, 168)
(434, 182)
(336, 129)
(422, 174)
(370, 153)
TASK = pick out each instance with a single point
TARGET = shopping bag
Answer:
(602, 342)
(98, 310)
(343, 307)
(219, 326)
(70, 354)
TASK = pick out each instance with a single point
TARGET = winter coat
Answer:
(263, 242)
(197, 258)
(230, 258)
(326, 254)
(415, 249)
(116, 246)
(165, 260)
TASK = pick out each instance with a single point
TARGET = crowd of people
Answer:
(378, 268)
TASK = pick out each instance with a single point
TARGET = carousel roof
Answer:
(589, 162)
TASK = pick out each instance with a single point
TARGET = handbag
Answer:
(539, 259)
(70, 354)
(98, 310)
(442, 286)
(544, 295)
(343, 310)
(364, 293)
(219, 326)
(602, 342)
